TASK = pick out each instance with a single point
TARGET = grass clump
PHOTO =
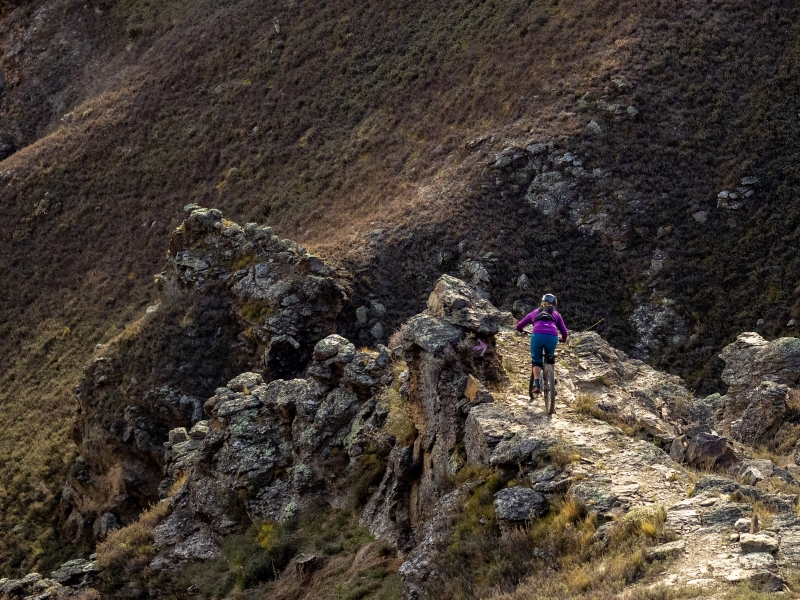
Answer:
(399, 421)
(561, 455)
(586, 404)
(126, 552)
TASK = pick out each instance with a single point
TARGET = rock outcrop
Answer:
(760, 376)
(450, 353)
(233, 299)
(269, 450)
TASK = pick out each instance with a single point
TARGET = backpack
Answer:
(545, 314)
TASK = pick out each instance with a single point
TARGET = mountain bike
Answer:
(547, 381)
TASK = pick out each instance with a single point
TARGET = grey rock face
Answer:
(233, 299)
(269, 449)
(519, 504)
(455, 302)
(759, 375)
(78, 571)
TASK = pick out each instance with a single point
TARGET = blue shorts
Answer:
(541, 341)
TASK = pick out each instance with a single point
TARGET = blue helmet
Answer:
(550, 298)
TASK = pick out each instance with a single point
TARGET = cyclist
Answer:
(547, 323)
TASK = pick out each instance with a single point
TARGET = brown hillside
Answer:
(328, 121)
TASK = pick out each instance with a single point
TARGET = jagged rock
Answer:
(707, 450)
(764, 413)
(421, 563)
(439, 349)
(486, 426)
(519, 504)
(430, 334)
(387, 514)
(758, 542)
(269, 449)
(31, 587)
(677, 450)
(759, 375)
(521, 447)
(455, 302)
(75, 572)
(102, 526)
(234, 300)
(665, 551)
(751, 475)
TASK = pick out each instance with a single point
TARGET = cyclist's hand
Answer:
(563, 340)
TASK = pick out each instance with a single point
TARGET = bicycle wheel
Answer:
(550, 394)
(530, 388)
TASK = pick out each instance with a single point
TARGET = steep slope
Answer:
(323, 120)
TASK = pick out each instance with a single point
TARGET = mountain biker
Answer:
(547, 323)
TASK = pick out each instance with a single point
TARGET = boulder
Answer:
(751, 475)
(596, 498)
(544, 474)
(519, 504)
(667, 550)
(707, 451)
(763, 414)
(759, 375)
(758, 542)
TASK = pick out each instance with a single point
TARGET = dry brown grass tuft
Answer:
(130, 548)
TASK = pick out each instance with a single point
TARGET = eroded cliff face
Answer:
(233, 299)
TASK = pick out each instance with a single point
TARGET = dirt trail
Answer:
(637, 472)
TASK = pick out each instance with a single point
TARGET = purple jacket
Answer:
(545, 327)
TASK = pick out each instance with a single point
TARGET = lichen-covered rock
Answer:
(596, 498)
(519, 504)
(234, 300)
(76, 572)
(759, 375)
(459, 304)
(269, 449)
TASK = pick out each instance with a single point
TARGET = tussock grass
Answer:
(558, 556)
(126, 552)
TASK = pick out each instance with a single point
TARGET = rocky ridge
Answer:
(232, 298)
(267, 449)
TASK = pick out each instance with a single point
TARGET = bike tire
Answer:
(550, 395)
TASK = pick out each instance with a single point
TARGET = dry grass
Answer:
(586, 404)
(585, 568)
(127, 550)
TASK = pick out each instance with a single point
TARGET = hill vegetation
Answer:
(329, 120)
